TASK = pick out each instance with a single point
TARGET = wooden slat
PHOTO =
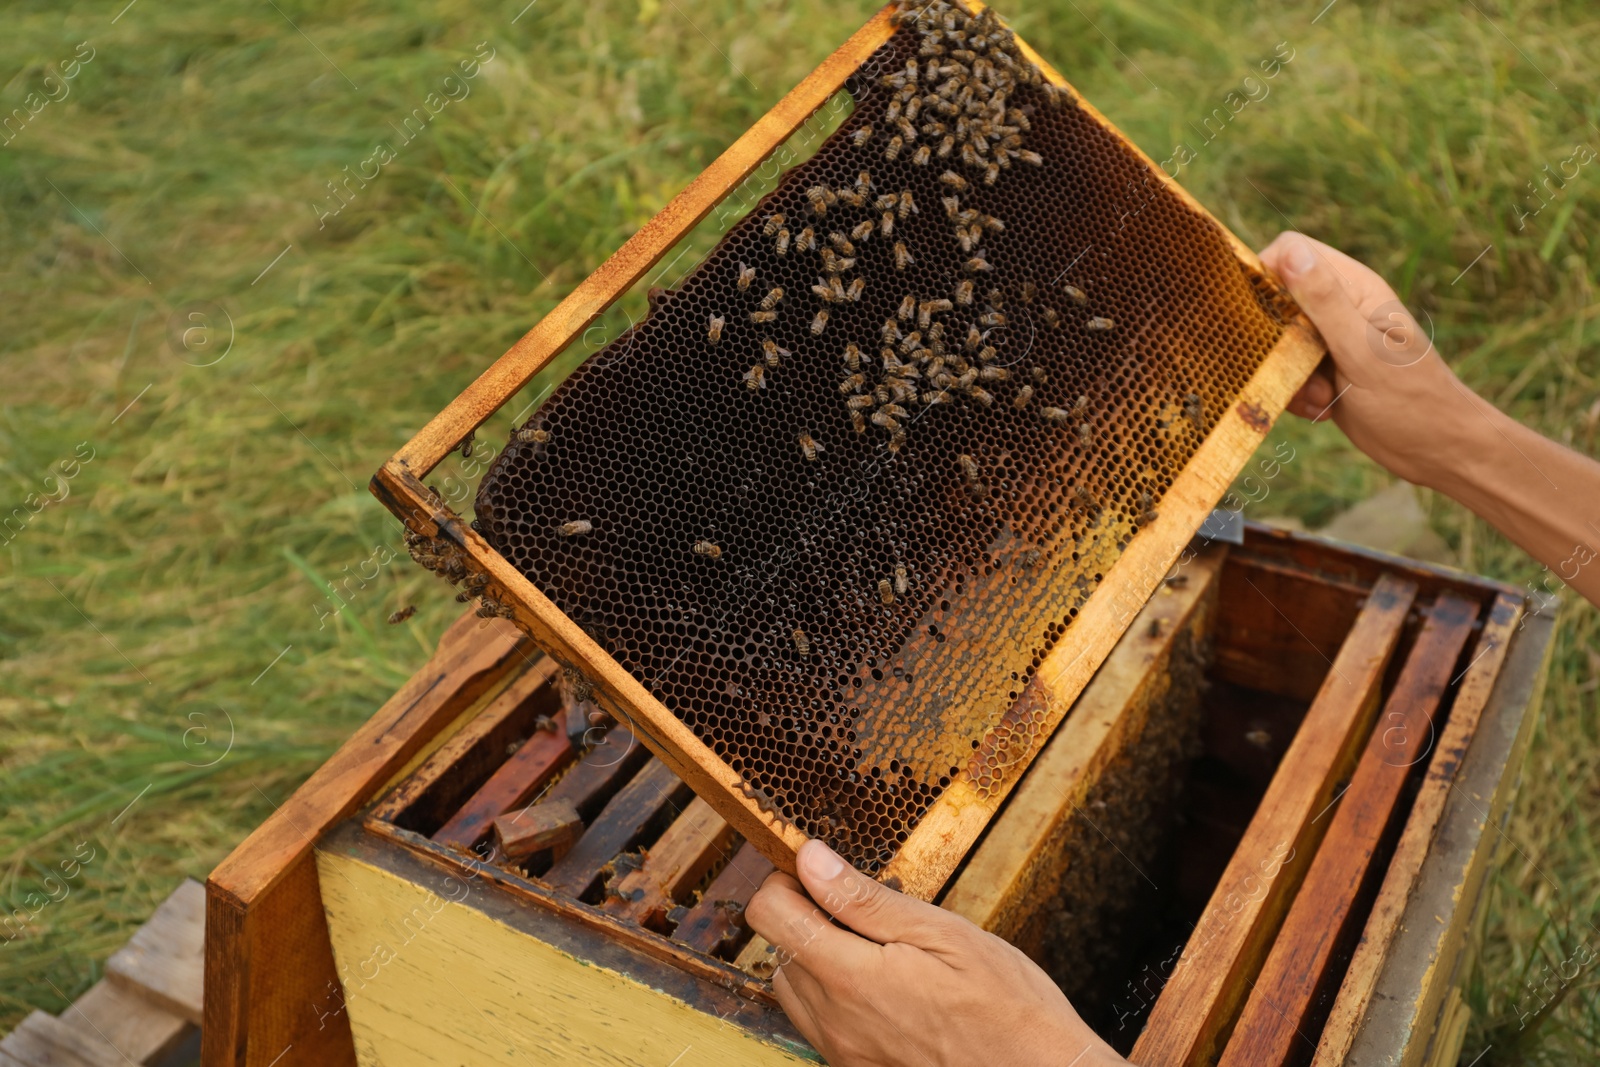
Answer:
(1201, 997)
(1274, 1015)
(539, 759)
(672, 867)
(595, 779)
(42, 1040)
(136, 1028)
(1001, 883)
(618, 828)
(268, 965)
(548, 825)
(164, 960)
(718, 917)
(453, 758)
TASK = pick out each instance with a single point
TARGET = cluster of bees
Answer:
(446, 559)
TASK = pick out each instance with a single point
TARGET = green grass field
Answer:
(183, 637)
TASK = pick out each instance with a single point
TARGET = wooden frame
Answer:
(947, 831)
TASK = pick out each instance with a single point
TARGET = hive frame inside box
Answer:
(936, 845)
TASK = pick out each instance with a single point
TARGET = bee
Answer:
(892, 112)
(994, 225)
(1038, 374)
(1029, 291)
(770, 301)
(907, 205)
(853, 383)
(773, 354)
(755, 378)
(1080, 405)
(969, 155)
(952, 206)
(842, 244)
(908, 307)
(1100, 322)
(902, 584)
(862, 136)
(974, 339)
(982, 396)
(1076, 295)
(863, 230)
(530, 436)
(886, 224)
(858, 422)
(941, 397)
(991, 319)
(891, 329)
(852, 198)
(708, 549)
(1193, 407)
(965, 239)
(465, 444)
(885, 592)
(861, 402)
(1031, 158)
(969, 468)
(857, 287)
(996, 298)
(1083, 498)
(781, 245)
(809, 447)
(907, 129)
(922, 155)
(834, 263)
(1058, 416)
(886, 202)
(1024, 395)
(991, 173)
(863, 183)
(954, 181)
(1085, 434)
(759, 317)
(909, 343)
(902, 258)
(576, 528)
(1031, 556)
(852, 356)
(714, 332)
(773, 224)
(930, 308)
(987, 354)
(976, 263)
(823, 290)
(994, 374)
(807, 241)
(1051, 319)
(836, 287)
(1148, 513)
(817, 195)
(746, 276)
(402, 615)
(802, 643)
(820, 322)
(892, 153)
(913, 107)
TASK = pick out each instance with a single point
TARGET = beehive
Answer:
(830, 539)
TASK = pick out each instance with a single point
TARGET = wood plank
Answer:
(591, 783)
(539, 759)
(618, 828)
(1285, 626)
(268, 964)
(717, 918)
(1274, 1015)
(42, 1040)
(471, 980)
(1472, 696)
(473, 750)
(1011, 869)
(672, 867)
(128, 1022)
(552, 825)
(1202, 994)
(1427, 956)
(164, 960)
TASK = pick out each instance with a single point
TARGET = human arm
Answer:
(1392, 394)
(908, 983)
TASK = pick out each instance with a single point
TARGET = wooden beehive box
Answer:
(1276, 802)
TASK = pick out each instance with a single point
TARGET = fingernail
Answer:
(1301, 257)
(821, 862)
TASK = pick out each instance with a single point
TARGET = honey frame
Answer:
(937, 843)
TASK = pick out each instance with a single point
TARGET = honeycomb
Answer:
(836, 529)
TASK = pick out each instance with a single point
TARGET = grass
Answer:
(199, 620)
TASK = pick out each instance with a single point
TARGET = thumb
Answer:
(1311, 272)
(869, 908)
